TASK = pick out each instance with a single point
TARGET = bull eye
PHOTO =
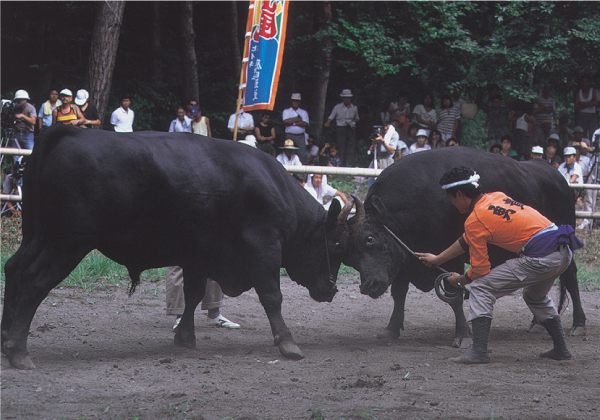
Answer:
(370, 240)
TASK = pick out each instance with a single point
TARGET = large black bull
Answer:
(219, 209)
(407, 198)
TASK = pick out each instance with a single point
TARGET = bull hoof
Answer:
(389, 335)
(179, 341)
(462, 343)
(578, 331)
(23, 363)
(291, 350)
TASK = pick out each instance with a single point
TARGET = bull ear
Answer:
(379, 209)
(334, 211)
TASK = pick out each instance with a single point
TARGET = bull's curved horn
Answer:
(343, 217)
(359, 217)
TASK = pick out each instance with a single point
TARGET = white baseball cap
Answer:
(66, 92)
(422, 133)
(569, 151)
(82, 97)
(537, 150)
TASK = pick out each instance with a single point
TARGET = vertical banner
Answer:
(263, 53)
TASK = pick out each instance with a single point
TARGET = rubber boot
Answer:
(478, 353)
(556, 331)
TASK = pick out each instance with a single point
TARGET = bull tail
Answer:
(134, 275)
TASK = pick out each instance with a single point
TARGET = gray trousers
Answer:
(213, 296)
(534, 275)
(590, 195)
(346, 144)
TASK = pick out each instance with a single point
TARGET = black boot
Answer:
(478, 353)
(556, 331)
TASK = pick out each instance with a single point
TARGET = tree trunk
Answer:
(189, 62)
(103, 53)
(156, 52)
(319, 94)
(235, 44)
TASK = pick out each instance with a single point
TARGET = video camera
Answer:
(9, 110)
(377, 131)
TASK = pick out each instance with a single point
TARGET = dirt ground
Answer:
(104, 355)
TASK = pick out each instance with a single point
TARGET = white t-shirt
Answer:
(413, 148)
(244, 120)
(575, 169)
(122, 120)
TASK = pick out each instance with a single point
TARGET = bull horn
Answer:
(343, 217)
(359, 217)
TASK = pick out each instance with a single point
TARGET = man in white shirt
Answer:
(570, 169)
(289, 156)
(345, 115)
(245, 124)
(122, 117)
(296, 120)
(319, 189)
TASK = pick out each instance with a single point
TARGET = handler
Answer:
(545, 251)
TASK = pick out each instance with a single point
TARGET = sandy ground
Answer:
(107, 356)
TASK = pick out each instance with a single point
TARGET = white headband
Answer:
(472, 180)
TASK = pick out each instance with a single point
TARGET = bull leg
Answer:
(569, 280)
(26, 288)
(194, 286)
(269, 294)
(462, 335)
(399, 291)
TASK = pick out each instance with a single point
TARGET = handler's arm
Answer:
(450, 253)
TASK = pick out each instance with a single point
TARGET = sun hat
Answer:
(82, 97)
(296, 97)
(569, 151)
(289, 144)
(346, 93)
(250, 140)
(66, 92)
(537, 150)
(22, 94)
(422, 133)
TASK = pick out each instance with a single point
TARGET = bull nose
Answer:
(373, 288)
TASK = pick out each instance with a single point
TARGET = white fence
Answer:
(325, 170)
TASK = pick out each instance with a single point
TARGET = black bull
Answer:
(407, 198)
(219, 209)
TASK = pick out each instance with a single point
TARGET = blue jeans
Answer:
(24, 140)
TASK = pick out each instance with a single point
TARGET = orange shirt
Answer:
(499, 220)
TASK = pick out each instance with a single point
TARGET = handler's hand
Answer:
(453, 280)
(428, 259)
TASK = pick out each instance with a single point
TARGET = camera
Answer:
(9, 109)
(377, 131)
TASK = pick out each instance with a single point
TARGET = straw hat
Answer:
(289, 144)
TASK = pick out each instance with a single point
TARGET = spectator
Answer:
(590, 196)
(497, 121)
(289, 156)
(250, 140)
(506, 148)
(436, 139)
(411, 137)
(24, 121)
(542, 133)
(421, 143)
(495, 149)
(212, 300)
(570, 169)
(537, 152)
(89, 111)
(312, 151)
(122, 117)
(200, 123)
(458, 101)
(181, 124)
(425, 114)
(319, 189)
(553, 140)
(265, 134)
(552, 158)
(585, 107)
(10, 186)
(565, 134)
(453, 142)
(544, 106)
(581, 157)
(191, 108)
(45, 114)
(384, 148)
(399, 113)
(296, 121)
(346, 116)
(447, 117)
(523, 126)
(67, 113)
(245, 123)
(331, 153)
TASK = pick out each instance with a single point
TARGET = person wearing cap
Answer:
(122, 118)
(245, 123)
(346, 116)
(289, 156)
(296, 120)
(25, 117)
(89, 111)
(421, 143)
(181, 124)
(67, 113)
(544, 252)
(201, 123)
(537, 152)
(570, 169)
(250, 140)
(45, 114)
(581, 156)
